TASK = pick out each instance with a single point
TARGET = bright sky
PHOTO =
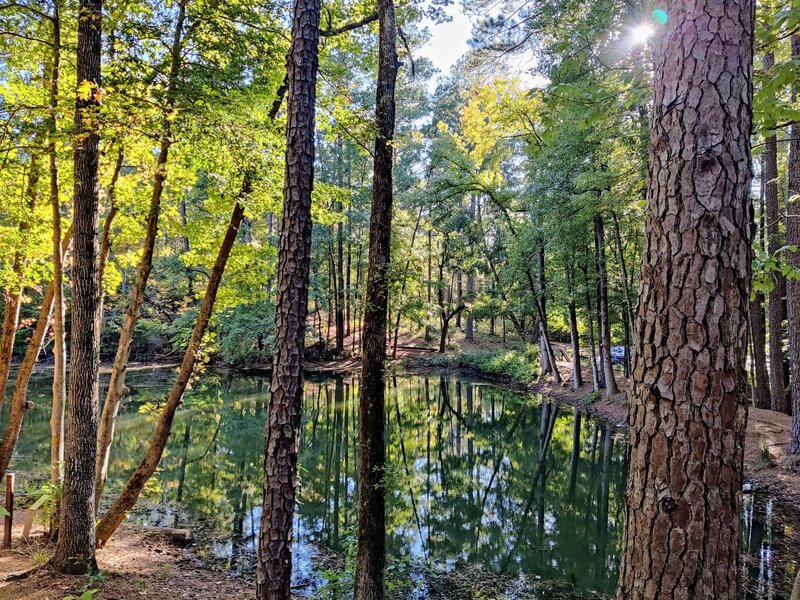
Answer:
(448, 43)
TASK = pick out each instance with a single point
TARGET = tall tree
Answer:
(59, 335)
(688, 406)
(775, 307)
(75, 550)
(116, 387)
(371, 557)
(758, 331)
(602, 308)
(147, 466)
(274, 568)
(792, 285)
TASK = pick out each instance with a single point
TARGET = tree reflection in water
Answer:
(479, 476)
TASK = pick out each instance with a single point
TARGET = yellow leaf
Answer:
(84, 89)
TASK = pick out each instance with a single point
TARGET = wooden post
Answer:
(9, 518)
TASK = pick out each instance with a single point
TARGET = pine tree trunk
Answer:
(116, 386)
(371, 556)
(274, 567)
(133, 488)
(688, 405)
(75, 549)
(602, 304)
(792, 285)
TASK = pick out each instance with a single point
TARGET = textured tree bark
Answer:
(688, 404)
(130, 493)
(75, 549)
(116, 386)
(775, 307)
(274, 568)
(371, 556)
(602, 309)
(12, 295)
(19, 396)
(792, 285)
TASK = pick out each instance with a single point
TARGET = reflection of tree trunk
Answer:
(412, 496)
(576, 452)
(544, 446)
(602, 504)
(184, 458)
(339, 408)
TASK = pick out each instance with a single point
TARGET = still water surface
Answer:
(482, 480)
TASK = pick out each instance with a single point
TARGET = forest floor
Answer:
(136, 563)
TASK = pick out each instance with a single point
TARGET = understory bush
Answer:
(519, 365)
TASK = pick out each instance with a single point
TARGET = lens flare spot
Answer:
(660, 16)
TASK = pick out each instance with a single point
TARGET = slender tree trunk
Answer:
(470, 331)
(602, 301)
(75, 549)
(590, 319)
(577, 376)
(758, 331)
(117, 389)
(688, 405)
(348, 292)
(274, 567)
(430, 278)
(57, 415)
(628, 307)
(371, 556)
(543, 337)
(792, 285)
(774, 242)
(339, 257)
(130, 493)
(19, 402)
(12, 295)
(405, 280)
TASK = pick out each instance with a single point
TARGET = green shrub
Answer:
(519, 365)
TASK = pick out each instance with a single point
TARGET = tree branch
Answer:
(349, 27)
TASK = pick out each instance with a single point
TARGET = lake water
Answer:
(489, 492)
